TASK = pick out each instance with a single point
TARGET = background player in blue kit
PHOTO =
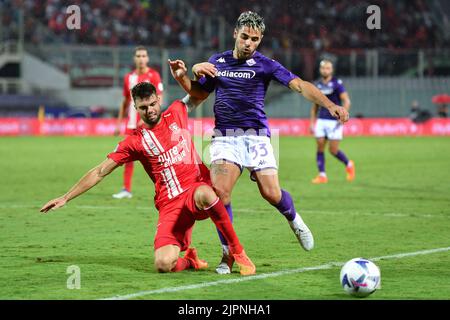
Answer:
(240, 78)
(325, 127)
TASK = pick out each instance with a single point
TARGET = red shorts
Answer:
(177, 218)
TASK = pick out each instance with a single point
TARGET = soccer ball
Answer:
(360, 277)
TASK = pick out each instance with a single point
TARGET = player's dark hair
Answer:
(143, 90)
(252, 20)
(139, 48)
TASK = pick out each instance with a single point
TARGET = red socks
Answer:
(219, 216)
(182, 264)
(127, 175)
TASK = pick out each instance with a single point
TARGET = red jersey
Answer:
(167, 153)
(133, 78)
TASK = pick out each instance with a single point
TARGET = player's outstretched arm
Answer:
(90, 179)
(192, 87)
(310, 92)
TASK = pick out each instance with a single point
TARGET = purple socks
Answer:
(230, 214)
(341, 157)
(320, 161)
(286, 206)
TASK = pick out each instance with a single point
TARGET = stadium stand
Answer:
(324, 24)
(410, 53)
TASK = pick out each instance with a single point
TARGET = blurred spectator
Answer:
(418, 115)
(319, 24)
(415, 110)
(442, 110)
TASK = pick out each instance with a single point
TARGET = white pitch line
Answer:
(267, 275)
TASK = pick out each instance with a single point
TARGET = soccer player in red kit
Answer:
(183, 190)
(142, 73)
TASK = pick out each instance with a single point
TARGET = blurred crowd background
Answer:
(385, 70)
(319, 24)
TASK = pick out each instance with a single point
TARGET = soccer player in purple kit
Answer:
(325, 127)
(240, 78)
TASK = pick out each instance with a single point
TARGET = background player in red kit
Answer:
(142, 73)
(183, 190)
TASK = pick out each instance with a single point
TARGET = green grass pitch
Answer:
(399, 203)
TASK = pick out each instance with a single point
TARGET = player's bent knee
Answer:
(333, 151)
(164, 264)
(223, 193)
(271, 194)
(321, 145)
(204, 196)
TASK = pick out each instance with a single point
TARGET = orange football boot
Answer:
(350, 171)
(319, 179)
(246, 266)
(196, 262)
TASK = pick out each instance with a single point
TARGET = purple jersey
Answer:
(332, 90)
(241, 86)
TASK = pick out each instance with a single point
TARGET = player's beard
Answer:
(242, 54)
(246, 54)
(153, 121)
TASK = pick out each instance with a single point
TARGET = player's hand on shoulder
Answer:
(204, 69)
(177, 68)
(53, 204)
(340, 113)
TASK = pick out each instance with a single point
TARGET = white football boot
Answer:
(226, 264)
(302, 232)
(123, 194)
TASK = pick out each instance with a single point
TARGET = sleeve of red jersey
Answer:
(179, 109)
(125, 151)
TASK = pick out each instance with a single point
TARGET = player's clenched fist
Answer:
(340, 113)
(204, 69)
(177, 68)
(53, 204)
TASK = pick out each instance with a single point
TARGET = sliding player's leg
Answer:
(269, 187)
(207, 201)
(224, 175)
(166, 259)
(173, 235)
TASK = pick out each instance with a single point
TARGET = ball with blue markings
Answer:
(360, 277)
